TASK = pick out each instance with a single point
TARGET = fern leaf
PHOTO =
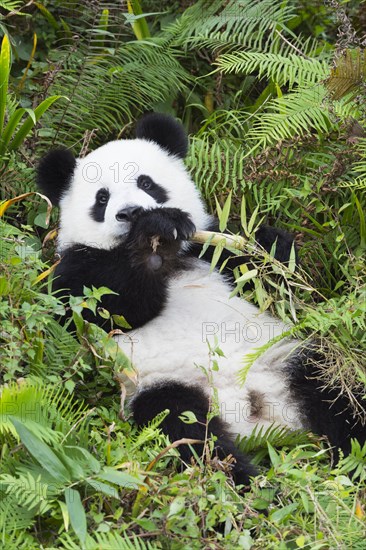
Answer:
(348, 74)
(245, 23)
(284, 69)
(256, 443)
(295, 114)
(109, 541)
(355, 462)
(47, 411)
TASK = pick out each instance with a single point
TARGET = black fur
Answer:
(326, 410)
(101, 200)
(179, 398)
(267, 236)
(54, 173)
(153, 189)
(127, 269)
(165, 131)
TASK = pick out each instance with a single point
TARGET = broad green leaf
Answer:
(28, 124)
(176, 506)
(243, 216)
(282, 513)
(252, 220)
(217, 254)
(120, 321)
(188, 417)
(140, 27)
(65, 514)
(10, 127)
(103, 488)
(102, 29)
(122, 479)
(41, 452)
(76, 513)
(4, 77)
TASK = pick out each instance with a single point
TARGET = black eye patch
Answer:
(97, 211)
(156, 191)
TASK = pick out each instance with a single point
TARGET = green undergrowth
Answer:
(74, 474)
(272, 94)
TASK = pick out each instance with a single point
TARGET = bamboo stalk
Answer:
(228, 241)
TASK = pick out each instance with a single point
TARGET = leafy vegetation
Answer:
(273, 95)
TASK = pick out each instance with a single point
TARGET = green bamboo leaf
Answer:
(76, 513)
(41, 452)
(279, 515)
(122, 479)
(217, 254)
(29, 123)
(252, 220)
(4, 77)
(101, 487)
(223, 219)
(9, 129)
(247, 276)
(243, 216)
(139, 24)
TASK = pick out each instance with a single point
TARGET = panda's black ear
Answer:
(165, 131)
(54, 173)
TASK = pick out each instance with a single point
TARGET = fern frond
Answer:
(29, 492)
(355, 462)
(47, 411)
(277, 436)
(109, 541)
(103, 92)
(151, 431)
(294, 114)
(15, 540)
(283, 69)
(11, 5)
(348, 74)
(13, 517)
(237, 23)
(216, 164)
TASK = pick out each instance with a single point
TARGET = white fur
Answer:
(174, 347)
(132, 158)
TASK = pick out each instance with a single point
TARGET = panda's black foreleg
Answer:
(282, 241)
(179, 398)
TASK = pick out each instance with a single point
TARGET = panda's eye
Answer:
(102, 196)
(145, 183)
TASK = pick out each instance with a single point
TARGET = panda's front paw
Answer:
(156, 236)
(164, 224)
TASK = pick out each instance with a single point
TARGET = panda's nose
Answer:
(128, 214)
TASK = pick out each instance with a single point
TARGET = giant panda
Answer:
(127, 212)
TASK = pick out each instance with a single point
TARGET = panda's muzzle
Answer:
(128, 214)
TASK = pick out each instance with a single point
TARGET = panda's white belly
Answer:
(198, 317)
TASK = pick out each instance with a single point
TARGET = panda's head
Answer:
(100, 194)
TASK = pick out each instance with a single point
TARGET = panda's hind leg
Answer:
(180, 398)
(326, 409)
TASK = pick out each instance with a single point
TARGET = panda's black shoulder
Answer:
(83, 264)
